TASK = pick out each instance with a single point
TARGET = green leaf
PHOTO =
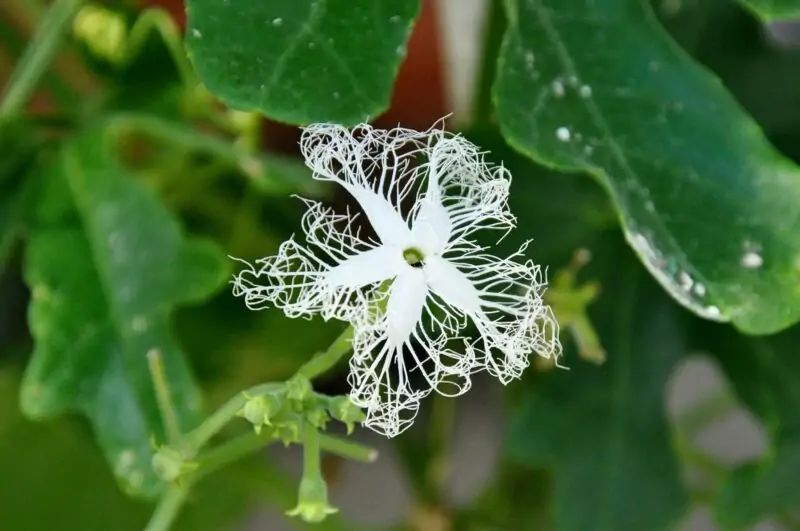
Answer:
(602, 429)
(708, 204)
(765, 374)
(106, 264)
(770, 10)
(301, 62)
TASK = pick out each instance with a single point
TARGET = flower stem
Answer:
(167, 509)
(40, 52)
(156, 364)
(231, 451)
(311, 451)
(326, 361)
(347, 449)
(196, 439)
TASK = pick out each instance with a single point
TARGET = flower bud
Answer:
(343, 410)
(312, 505)
(259, 410)
(299, 388)
(318, 417)
(169, 465)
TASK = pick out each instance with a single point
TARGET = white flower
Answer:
(422, 280)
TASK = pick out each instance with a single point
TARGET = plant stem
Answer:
(40, 52)
(164, 398)
(347, 449)
(231, 451)
(195, 439)
(312, 467)
(167, 509)
(325, 361)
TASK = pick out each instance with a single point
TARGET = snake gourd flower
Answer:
(415, 286)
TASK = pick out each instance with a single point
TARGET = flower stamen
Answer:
(414, 257)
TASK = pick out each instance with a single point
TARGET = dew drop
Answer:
(585, 91)
(680, 283)
(336, 95)
(394, 19)
(196, 34)
(685, 280)
(573, 81)
(563, 134)
(277, 21)
(752, 260)
(529, 59)
(699, 290)
(558, 88)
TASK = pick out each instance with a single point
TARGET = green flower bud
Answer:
(259, 410)
(169, 465)
(299, 388)
(318, 417)
(343, 410)
(289, 432)
(312, 505)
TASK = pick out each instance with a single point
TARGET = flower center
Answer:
(414, 257)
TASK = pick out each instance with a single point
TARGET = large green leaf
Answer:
(106, 263)
(301, 61)
(708, 204)
(602, 429)
(765, 373)
(770, 10)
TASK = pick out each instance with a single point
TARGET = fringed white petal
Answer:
(335, 275)
(513, 320)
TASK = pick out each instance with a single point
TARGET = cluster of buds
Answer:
(285, 409)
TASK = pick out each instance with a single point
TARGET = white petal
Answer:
(432, 226)
(389, 225)
(371, 266)
(449, 283)
(406, 301)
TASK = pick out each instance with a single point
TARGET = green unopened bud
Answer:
(343, 410)
(312, 505)
(318, 417)
(259, 410)
(169, 465)
(103, 31)
(288, 432)
(299, 388)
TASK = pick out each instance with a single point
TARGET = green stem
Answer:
(251, 442)
(159, 21)
(312, 467)
(328, 359)
(156, 364)
(231, 451)
(347, 449)
(38, 55)
(196, 439)
(167, 509)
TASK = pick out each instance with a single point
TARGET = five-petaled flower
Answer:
(414, 289)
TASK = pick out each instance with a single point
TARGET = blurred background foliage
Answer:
(124, 184)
